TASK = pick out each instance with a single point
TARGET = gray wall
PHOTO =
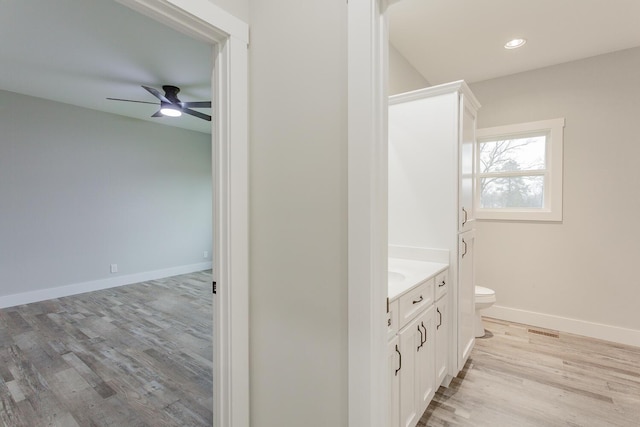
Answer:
(403, 77)
(238, 8)
(298, 213)
(584, 267)
(81, 189)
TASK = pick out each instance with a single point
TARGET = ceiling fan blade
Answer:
(157, 114)
(131, 100)
(197, 114)
(197, 104)
(156, 93)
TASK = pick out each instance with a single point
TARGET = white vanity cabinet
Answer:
(431, 195)
(417, 376)
(413, 352)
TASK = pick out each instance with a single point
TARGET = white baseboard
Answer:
(563, 324)
(96, 285)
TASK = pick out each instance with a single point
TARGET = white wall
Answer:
(298, 289)
(81, 189)
(238, 8)
(403, 77)
(422, 190)
(583, 268)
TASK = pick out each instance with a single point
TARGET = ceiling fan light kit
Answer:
(169, 110)
(170, 105)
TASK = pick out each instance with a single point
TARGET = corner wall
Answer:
(579, 275)
(82, 189)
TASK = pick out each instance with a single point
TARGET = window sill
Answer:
(519, 215)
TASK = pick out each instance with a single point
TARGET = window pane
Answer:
(512, 192)
(513, 154)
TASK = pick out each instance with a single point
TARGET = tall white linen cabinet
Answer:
(431, 214)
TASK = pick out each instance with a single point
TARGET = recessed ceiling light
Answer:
(514, 44)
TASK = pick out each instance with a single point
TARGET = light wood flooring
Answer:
(520, 376)
(132, 356)
(140, 355)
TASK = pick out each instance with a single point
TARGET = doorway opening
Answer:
(230, 37)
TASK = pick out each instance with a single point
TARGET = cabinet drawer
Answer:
(416, 301)
(392, 319)
(442, 284)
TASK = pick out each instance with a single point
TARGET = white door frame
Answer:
(367, 221)
(229, 36)
(367, 205)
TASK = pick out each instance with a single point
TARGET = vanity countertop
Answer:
(405, 274)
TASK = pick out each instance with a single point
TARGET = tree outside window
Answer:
(511, 172)
(519, 171)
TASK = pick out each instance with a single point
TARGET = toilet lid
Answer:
(481, 290)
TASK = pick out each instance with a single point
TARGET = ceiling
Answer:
(82, 51)
(448, 40)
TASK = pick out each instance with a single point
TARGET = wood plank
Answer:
(133, 356)
(525, 376)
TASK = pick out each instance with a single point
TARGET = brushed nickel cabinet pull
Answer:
(399, 360)
(417, 301)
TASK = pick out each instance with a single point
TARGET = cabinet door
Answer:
(411, 338)
(467, 146)
(442, 339)
(466, 295)
(394, 367)
(425, 360)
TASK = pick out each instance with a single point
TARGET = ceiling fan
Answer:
(170, 105)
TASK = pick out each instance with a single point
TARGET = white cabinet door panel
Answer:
(425, 360)
(394, 367)
(442, 339)
(466, 182)
(466, 296)
(410, 339)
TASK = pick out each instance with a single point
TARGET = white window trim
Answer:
(552, 211)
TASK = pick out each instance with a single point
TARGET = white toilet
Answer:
(484, 298)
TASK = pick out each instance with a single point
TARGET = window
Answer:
(519, 171)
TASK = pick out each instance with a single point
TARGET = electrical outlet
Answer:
(114, 268)
(205, 254)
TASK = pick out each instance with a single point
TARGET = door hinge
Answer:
(214, 288)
